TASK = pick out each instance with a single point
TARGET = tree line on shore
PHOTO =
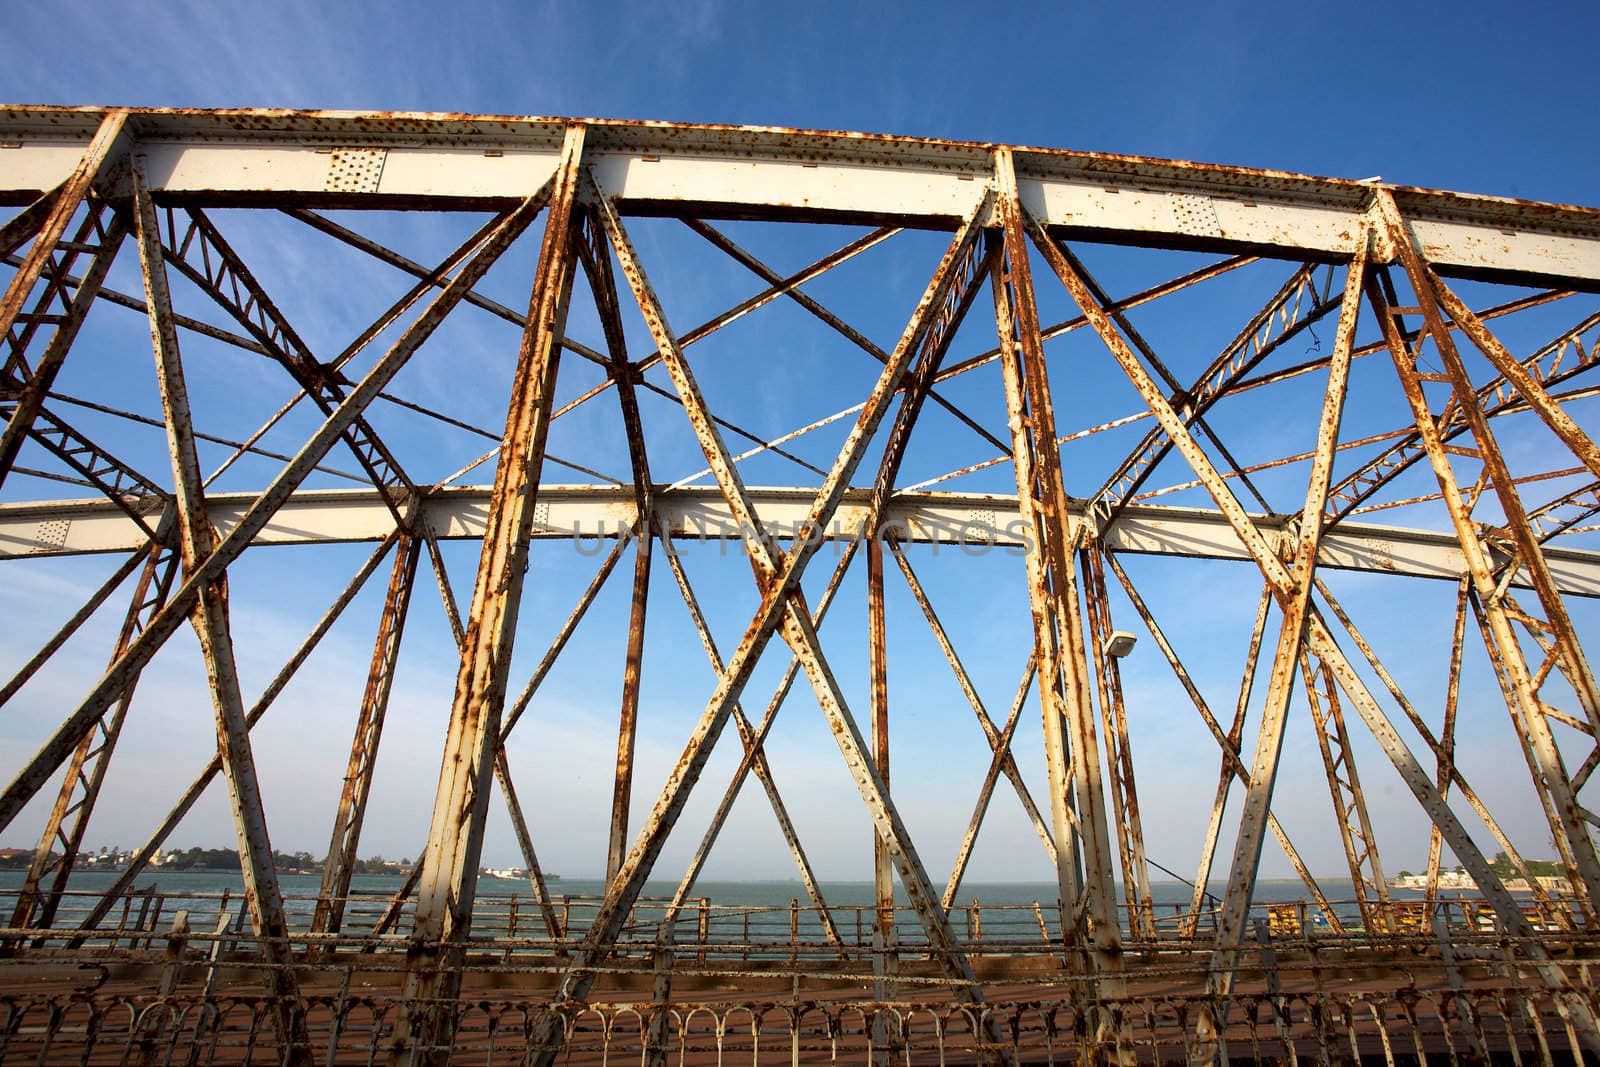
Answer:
(301, 862)
(1502, 866)
(195, 858)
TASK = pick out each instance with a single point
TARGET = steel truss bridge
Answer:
(1396, 279)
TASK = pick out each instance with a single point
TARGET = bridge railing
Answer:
(1487, 1024)
(197, 990)
(793, 931)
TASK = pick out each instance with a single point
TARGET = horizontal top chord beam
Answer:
(467, 162)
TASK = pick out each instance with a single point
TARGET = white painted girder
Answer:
(965, 521)
(459, 162)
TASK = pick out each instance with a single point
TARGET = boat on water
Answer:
(514, 874)
(1447, 880)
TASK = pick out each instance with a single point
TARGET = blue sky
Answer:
(1476, 100)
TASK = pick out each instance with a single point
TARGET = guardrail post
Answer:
(705, 925)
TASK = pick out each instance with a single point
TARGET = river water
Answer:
(198, 891)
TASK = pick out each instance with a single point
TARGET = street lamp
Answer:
(1119, 644)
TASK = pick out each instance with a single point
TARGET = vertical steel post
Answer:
(1447, 736)
(878, 670)
(352, 810)
(1058, 629)
(450, 865)
(628, 720)
(1119, 749)
(596, 260)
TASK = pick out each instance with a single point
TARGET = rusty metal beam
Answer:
(628, 720)
(1119, 748)
(1447, 735)
(878, 708)
(209, 616)
(519, 826)
(1072, 756)
(596, 259)
(273, 157)
(450, 865)
(352, 808)
(502, 765)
